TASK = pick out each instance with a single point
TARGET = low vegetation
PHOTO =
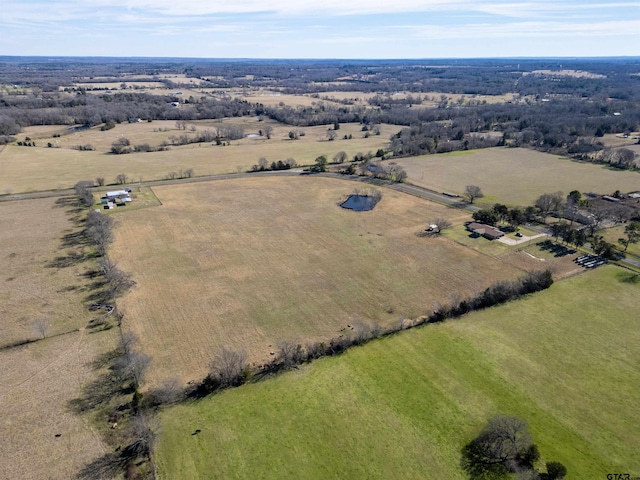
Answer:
(513, 176)
(406, 405)
(276, 259)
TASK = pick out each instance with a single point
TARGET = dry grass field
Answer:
(42, 279)
(248, 263)
(25, 169)
(514, 176)
(37, 382)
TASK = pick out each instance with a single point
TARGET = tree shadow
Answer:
(629, 277)
(68, 260)
(110, 465)
(95, 394)
(474, 463)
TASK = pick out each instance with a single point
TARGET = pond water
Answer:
(253, 135)
(359, 203)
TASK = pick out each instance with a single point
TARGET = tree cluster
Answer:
(504, 447)
(263, 165)
(392, 172)
(83, 190)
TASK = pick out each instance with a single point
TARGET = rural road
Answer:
(401, 187)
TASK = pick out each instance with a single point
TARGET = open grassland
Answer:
(248, 263)
(44, 292)
(42, 265)
(403, 407)
(37, 383)
(24, 169)
(514, 176)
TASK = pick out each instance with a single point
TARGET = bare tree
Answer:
(267, 130)
(471, 192)
(83, 190)
(121, 178)
(440, 225)
(100, 181)
(290, 354)
(228, 367)
(132, 365)
(549, 202)
(331, 135)
(503, 446)
(189, 172)
(118, 281)
(169, 391)
(144, 428)
(98, 229)
(340, 157)
(41, 326)
(120, 146)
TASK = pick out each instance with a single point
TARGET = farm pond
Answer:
(359, 203)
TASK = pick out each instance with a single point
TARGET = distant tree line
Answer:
(264, 165)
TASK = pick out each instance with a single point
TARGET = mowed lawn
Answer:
(249, 263)
(515, 176)
(565, 359)
(24, 169)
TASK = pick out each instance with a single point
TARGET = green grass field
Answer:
(515, 176)
(613, 234)
(402, 407)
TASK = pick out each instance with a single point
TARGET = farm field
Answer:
(37, 383)
(44, 293)
(42, 273)
(24, 169)
(515, 176)
(403, 407)
(248, 263)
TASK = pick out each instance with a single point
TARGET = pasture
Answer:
(42, 275)
(514, 176)
(403, 407)
(248, 263)
(44, 293)
(24, 169)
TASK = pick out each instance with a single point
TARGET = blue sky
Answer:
(320, 29)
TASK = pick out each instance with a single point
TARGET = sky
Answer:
(321, 28)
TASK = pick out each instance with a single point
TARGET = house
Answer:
(114, 196)
(487, 231)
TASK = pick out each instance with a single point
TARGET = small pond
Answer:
(359, 203)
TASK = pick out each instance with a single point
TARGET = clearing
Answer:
(515, 176)
(248, 263)
(403, 407)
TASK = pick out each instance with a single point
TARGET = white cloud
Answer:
(522, 29)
